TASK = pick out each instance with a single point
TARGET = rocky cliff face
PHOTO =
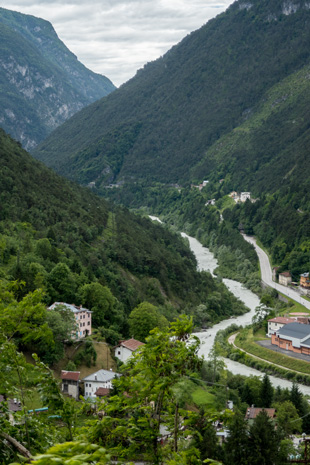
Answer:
(41, 82)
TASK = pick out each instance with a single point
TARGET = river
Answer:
(206, 261)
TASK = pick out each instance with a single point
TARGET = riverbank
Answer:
(206, 261)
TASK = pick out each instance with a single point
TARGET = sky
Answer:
(117, 37)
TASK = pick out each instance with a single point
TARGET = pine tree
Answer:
(266, 392)
(237, 444)
(263, 441)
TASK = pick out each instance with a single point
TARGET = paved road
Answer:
(266, 274)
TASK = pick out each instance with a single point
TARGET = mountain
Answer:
(60, 237)
(163, 124)
(41, 82)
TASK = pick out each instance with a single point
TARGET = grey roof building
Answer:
(99, 379)
(294, 335)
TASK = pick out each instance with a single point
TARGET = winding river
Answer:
(207, 262)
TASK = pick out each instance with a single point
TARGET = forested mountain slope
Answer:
(41, 82)
(160, 124)
(60, 237)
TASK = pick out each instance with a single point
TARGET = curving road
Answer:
(266, 274)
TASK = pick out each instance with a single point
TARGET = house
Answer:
(82, 318)
(294, 337)
(285, 278)
(276, 323)
(99, 379)
(305, 281)
(12, 406)
(70, 383)
(252, 412)
(245, 196)
(125, 349)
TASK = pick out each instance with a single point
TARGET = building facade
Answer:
(82, 318)
(294, 337)
(99, 379)
(70, 383)
(285, 278)
(125, 349)
(274, 324)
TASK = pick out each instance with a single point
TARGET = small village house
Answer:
(294, 337)
(274, 324)
(70, 383)
(99, 379)
(244, 196)
(285, 278)
(82, 318)
(125, 349)
(252, 412)
(305, 281)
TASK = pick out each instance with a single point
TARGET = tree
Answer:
(237, 445)
(266, 392)
(77, 453)
(296, 398)
(62, 284)
(288, 419)
(146, 396)
(63, 325)
(143, 319)
(100, 300)
(263, 441)
(24, 320)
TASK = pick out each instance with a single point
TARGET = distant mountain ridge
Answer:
(41, 82)
(162, 123)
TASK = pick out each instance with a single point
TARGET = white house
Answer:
(125, 349)
(99, 379)
(285, 278)
(245, 196)
(276, 323)
(82, 318)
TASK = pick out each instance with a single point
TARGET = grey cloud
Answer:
(116, 37)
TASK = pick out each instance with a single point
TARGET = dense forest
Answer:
(169, 122)
(79, 249)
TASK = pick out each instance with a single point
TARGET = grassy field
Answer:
(247, 341)
(203, 398)
(104, 359)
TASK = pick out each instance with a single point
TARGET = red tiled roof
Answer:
(252, 412)
(131, 344)
(72, 375)
(102, 392)
(287, 274)
(282, 319)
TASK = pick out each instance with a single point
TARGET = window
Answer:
(88, 323)
(118, 352)
(65, 387)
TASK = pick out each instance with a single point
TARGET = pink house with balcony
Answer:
(82, 318)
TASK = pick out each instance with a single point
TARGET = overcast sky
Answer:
(117, 37)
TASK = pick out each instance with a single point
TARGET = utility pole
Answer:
(306, 459)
